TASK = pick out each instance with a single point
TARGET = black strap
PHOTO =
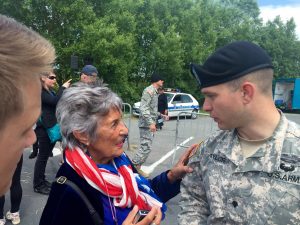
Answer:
(95, 216)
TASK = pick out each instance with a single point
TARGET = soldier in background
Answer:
(147, 121)
(249, 172)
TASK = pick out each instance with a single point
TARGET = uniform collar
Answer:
(266, 159)
(156, 91)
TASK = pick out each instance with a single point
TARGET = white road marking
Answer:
(150, 169)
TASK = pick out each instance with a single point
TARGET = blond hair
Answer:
(262, 78)
(23, 55)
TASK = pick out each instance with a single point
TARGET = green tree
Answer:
(129, 40)
(279, 39)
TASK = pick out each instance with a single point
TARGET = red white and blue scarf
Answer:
(125, 187)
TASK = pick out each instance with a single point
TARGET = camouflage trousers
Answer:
(146, 139)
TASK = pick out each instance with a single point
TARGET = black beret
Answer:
(156, 77)
(231, 62)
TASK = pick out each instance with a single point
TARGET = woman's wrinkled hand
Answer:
(153, 217)
(181, 169)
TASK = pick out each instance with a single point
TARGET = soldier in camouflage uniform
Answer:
(147, 121)
(249, 172)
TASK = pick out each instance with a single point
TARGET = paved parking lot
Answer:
(33, 203)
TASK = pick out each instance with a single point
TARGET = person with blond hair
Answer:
(24, 54)
(47, 120)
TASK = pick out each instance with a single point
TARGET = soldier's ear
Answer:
(247, 91)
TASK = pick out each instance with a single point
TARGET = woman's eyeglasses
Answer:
(52, 77)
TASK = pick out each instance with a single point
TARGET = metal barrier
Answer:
(127, 113)
(192, 126)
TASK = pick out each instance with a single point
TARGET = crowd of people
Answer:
(246, 173)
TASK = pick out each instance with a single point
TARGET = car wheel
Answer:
(194, 114)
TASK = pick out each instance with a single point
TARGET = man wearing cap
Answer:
(249, 171)
(88, 74)
(147, 121)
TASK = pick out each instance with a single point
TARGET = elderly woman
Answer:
(93, 137)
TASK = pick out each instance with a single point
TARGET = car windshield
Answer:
(169, 96)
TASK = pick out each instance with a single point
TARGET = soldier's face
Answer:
(224, 105)
(160, 83)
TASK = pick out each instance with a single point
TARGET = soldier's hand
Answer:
(152, 127)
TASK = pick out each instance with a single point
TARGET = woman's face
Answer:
(50, 80)
(111, 134)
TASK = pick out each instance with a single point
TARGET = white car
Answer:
(177, 102)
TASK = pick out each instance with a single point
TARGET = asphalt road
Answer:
(161, 159)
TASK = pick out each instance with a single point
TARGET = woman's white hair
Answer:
(80, 109)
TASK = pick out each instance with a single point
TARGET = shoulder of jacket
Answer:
(149, 90)
(294, 129)
(44, 91)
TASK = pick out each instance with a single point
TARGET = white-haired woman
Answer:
(93, 137)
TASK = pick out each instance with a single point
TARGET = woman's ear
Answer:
(247, 90)
(43, 78)
(81, 137)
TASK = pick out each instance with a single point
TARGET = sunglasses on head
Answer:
(52, 77)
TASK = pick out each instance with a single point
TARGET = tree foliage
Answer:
(127, 40)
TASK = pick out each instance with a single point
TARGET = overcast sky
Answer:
(269, 9)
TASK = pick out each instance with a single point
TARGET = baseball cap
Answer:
(89, 70)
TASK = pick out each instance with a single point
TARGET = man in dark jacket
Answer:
(162, 107)
(88, 74)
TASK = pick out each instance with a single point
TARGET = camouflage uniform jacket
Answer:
(227, 188)
(148, 107)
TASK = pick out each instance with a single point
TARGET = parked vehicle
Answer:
(177, 102)
(287, 93)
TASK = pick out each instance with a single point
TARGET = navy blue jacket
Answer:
(65, 207)
(49, 102)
